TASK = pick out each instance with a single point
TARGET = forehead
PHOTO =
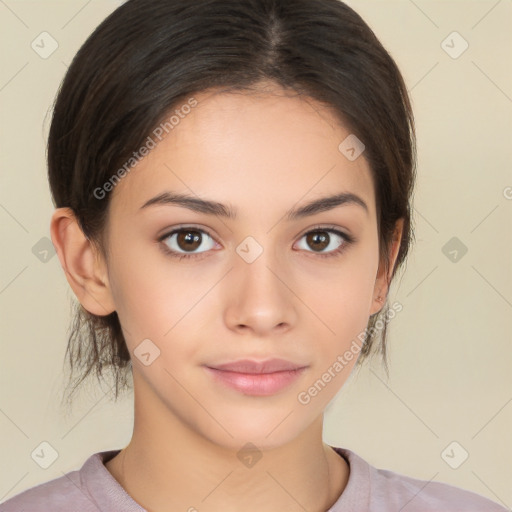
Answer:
(248, 149)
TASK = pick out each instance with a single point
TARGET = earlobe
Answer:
(85, 269)
(382, 282)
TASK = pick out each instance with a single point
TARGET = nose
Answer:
(259, 296)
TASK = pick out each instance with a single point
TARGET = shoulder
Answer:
(68, 492)
(55, 495)
(416, 495)
(390, 491)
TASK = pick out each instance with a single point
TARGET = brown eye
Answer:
(188, 240)
(318, 240)
(185, 242)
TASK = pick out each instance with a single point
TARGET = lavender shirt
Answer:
(92, 488)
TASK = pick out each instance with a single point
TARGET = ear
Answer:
(381, 283)
(84, 266)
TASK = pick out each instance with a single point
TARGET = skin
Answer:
(261, 154)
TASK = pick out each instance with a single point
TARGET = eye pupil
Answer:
(187, 239)
(318, 239)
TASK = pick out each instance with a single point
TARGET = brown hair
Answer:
(149, 56)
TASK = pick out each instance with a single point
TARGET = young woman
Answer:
(233, 185)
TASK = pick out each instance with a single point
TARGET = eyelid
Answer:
(328, 227)
(316, 227)
(348, 240)
(171, 231)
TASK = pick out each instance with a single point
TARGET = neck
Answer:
(167, 466)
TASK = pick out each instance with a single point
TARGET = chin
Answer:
(265, 431)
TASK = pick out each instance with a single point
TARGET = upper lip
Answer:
(249, 366)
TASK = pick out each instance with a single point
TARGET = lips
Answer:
(248, 366)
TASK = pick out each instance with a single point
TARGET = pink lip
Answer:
(257, 378)
(249, 366)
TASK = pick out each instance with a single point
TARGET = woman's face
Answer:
(257, 283)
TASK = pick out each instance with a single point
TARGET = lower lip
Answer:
(257, 384)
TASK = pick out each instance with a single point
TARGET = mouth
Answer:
(256, 378)
(258, 367)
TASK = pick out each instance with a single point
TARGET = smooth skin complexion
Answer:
(260, 155)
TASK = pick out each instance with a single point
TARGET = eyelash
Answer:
(348, 240)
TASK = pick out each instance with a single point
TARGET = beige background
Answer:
(451, 352)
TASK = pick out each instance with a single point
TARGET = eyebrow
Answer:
(196, 204)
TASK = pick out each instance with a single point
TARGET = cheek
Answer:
(158, 299)
(344, 314)
(342, 297)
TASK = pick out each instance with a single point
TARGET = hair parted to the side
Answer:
(150, 56)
